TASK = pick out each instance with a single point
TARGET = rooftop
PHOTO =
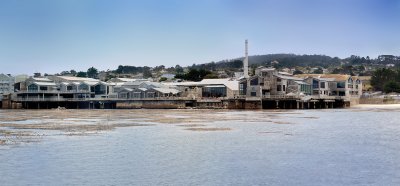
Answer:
(73, 78)
(337, 77)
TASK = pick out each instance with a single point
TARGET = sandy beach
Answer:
(378, 106)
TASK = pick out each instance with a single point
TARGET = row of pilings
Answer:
(169, 104)
(286, 104)
(299, 104)
(67, 105)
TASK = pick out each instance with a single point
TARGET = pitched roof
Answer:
(41, 79)
(91, 83)
(231, 84)
(45, 83)
(73, 78)
(132, 83)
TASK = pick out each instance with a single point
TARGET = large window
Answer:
(100, 89)
(350, 80)
(279, 88)
(83, 87)
(33, 87)
(322, 84)
(341, 84)
(214, 91)
(242, 88)
(253, 94)
(315, 83)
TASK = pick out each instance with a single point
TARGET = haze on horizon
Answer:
(53, 36)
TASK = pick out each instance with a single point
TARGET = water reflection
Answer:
(153, 147)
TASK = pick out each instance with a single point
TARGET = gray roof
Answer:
(289, 77)
(167, 90)
(132, 83)
(42, 79)
(45, 83)
(301, 82)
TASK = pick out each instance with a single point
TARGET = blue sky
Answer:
(55, 35)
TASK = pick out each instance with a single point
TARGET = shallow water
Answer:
(153, 147)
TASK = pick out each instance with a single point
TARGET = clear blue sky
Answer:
(55, 35)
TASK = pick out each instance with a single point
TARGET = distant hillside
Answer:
(292, 60)
(284, 60)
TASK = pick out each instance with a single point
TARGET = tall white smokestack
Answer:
(246, 62)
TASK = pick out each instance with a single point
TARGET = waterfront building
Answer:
(208, 88)
(62, 88)
(6, 84)
(334, 84)
(269, 82)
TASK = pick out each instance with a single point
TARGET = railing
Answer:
(326, 97)
(53, 91)
(98, 99)
(209, 100)
(48, 99)
(280, 96)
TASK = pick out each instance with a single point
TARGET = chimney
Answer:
(246, 62)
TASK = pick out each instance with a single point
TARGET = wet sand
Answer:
(24, 126)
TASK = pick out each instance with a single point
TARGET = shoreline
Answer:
(376, 106)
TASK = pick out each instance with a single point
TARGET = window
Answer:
(214, 92)
(315, 84)
(350, 80)
(253, 94)
(278, 88)
(83, 87)
(254, 81)
(243, 88)
(341, 84)
(283, 88)
(33, 87)
(322, 84)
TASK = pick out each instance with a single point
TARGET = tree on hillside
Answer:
(297, 72)
(178, 69)
(391, 86)
(381, 77)
(92, 72)
(81, 74)
(73, 72)
(318, 71)
(147, 72)
(194, 75)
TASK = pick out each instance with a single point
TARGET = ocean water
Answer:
(358, 146)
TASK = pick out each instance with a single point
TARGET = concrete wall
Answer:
(149, 104)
